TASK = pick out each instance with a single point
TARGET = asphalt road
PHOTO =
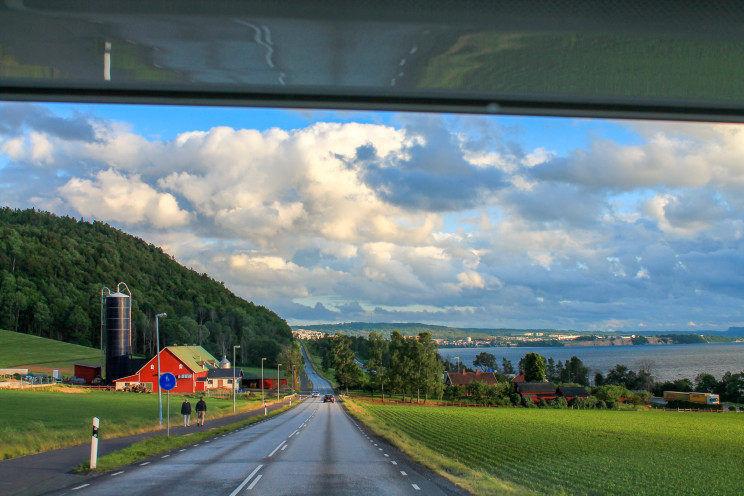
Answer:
(312, 449)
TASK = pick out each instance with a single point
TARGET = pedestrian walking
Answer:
(186, 412)
(201, 411)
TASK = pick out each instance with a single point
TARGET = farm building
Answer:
(537, 390)
(87, 372)
(223, 377)
(190, 365)
(253, 381)
(465, 378)
(571, 393)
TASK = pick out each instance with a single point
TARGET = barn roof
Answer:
(573, 391)
(465, 378)
(194, 357)
(536, 387)
(224, 373)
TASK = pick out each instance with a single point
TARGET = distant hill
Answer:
(410, 329)
(53, 269)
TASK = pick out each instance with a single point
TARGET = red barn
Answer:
(87, 371)
(189, 364)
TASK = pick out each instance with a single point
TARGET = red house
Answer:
(190, 365)
(465, 378)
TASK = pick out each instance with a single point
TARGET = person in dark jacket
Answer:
(201, 411)
(186, 412)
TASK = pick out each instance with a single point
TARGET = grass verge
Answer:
(161, 444)
(43, 419)
(474, 481)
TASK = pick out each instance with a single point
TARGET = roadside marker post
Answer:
(94, 444)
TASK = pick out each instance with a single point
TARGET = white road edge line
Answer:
(255, 482)
(117, 473)
(80, 487)
(144, 463)
(277, 448)
(245, 481)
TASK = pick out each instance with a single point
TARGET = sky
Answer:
(459, 220)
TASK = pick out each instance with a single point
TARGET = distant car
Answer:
(329, 397)
(316, 394)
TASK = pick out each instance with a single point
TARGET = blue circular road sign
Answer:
(167, 381)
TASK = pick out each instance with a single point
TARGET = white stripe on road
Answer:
(80, 487)
(394, 463)
(295, 432)
(277, 448)
(117, 473)
(245, 481)
(403, 473)
(165, 456)
(416, 487)
(255, 482)
(143, 464)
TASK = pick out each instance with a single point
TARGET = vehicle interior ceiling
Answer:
(613, 59)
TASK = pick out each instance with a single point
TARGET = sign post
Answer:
(168, 382)
(94, 444)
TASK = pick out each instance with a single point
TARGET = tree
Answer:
(292, 360)
(575, 371)
(507, 366)
(534, 367)
(705, 383)
(550, 370)
(347, 370)
(486, 361)
(379, 361)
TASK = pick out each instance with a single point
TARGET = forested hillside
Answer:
(53, 269)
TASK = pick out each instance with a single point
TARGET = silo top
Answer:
(118, 295)
(224, 363)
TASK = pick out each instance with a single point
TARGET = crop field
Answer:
(582, 451)
(35, 420)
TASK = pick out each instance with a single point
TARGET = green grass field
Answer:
(43, 355)
(35, 420)
(522, 451)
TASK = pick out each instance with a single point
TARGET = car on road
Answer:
(329, 397)
(315, 394)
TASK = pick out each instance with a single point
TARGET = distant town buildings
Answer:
(306, 334)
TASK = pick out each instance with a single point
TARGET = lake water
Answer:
(672, 362)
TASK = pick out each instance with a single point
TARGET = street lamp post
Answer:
(233, 365)
(294, 381)
(277, 380)
(263, 401)
(157, 344)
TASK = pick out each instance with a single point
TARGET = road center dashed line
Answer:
(277, 448)
(80, 487)
(144, 463)
(416, 487)
(117, 473)
(246, 480)
(255, 482)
